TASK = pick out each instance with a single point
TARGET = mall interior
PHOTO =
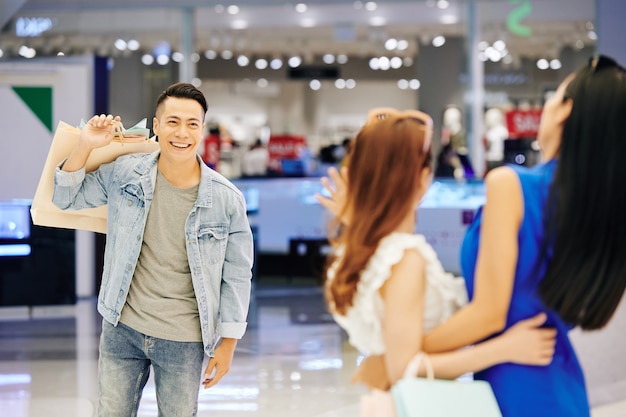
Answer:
(288, 85)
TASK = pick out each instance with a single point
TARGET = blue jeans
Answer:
(124, 366)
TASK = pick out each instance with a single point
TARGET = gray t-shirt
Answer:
(161, 301)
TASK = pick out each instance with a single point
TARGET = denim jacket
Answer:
(218, 238)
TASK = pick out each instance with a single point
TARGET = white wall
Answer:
(25, 140)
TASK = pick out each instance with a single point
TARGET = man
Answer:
(178, 259)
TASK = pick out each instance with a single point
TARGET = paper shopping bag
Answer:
(66, 137)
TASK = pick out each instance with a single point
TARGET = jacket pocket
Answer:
(212, 239)
(130, 205)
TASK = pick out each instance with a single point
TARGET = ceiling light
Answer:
(178, 57)
(403, 84)
(443, 4)
(133, 44)
(1, 53)
(162, 59)
(384, 63)
(407, 61)
(210, 54)
(60, 53)
(196, 82)
(350, 83)
(439, 41)
(276, 63)
(555, 64)
(449, 19)
(391, 44)
(315, 85)
(543, 64)
(227, 54)
(27, 52)
(301, 7)
(295, 61)
(592, 35)
(328, 59)
(232, 9)
(243, 60)
(239, 24)
(121, 44)
(195, 57)
(371, 6)
(378, 21)
(395, 62)
(342, 59)
(261, 63)
(500, 45)
(340, 83)
(415, 84)
(374, 63)
(403, 45)
(307, 22)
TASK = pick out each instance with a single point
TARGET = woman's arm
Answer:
(495, 268)
(403, 295)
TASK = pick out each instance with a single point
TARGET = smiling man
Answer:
(178, 259)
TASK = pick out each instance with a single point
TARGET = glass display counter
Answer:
(284, 211)
(37, 264)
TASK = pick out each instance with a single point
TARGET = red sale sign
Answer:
(523, 123)
(284, 147)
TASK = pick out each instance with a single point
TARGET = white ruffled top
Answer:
(444, 294)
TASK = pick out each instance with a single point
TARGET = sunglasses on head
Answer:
(600, 62)
(422, 119)
(381, 113)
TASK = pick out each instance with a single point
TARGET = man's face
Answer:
(179, 124)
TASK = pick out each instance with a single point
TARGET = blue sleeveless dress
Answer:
(531, 391)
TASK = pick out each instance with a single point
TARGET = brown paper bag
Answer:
(44, 212)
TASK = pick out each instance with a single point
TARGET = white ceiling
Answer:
(275, 27)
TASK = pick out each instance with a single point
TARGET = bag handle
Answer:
(413, 367)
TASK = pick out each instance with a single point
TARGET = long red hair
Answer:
(384, 169)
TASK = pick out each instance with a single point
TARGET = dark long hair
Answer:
(383, 176)
(585, 219)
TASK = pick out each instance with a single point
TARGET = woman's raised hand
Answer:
(336, 185)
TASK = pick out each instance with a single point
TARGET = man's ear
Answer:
(155, 126)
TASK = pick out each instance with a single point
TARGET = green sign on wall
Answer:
(514, 19)
(39, 100)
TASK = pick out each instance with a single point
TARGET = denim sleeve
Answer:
(78, 190)
(236, 274)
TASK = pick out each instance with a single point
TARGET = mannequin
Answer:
(495, 134)
(453, 145)
(453, 126)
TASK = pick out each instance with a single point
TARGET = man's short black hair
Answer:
(183, 90)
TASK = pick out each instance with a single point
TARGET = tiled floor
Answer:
(293, 361)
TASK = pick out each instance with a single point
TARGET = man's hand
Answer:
(99, 130)
(219, 364)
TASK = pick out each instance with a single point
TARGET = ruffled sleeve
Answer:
(363, 321)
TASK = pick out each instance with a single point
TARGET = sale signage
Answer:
(523, 123)
(282, 147)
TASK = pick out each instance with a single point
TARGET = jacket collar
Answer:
(147, 165)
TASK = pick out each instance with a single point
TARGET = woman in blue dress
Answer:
(551, 238)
